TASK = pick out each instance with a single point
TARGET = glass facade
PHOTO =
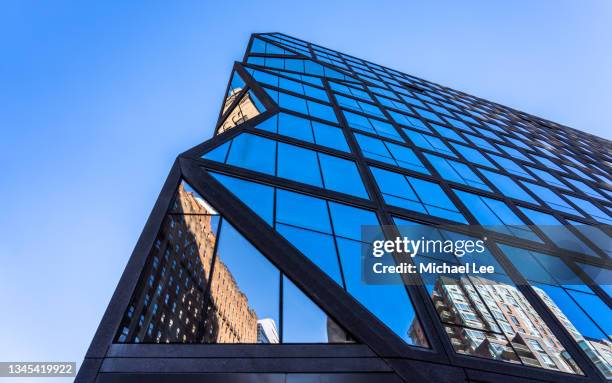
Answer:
(318, 144)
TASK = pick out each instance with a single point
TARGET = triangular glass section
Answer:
(248, 107)
(236, 86)
(329, 234)
(219, 153)
(265, 48)
(204, 282)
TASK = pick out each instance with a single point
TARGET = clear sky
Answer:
(98, 98)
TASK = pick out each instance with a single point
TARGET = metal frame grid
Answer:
(380, 354)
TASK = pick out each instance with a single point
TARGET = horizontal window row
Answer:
(292, 162)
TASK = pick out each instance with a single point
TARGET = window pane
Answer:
(456, 171)
(556, 232)
(318, 247)
(305, 322)
(507, 186)
(328, 135)
(601, 276)
(348, 220)
(258, 197)
(250, 281)
(472, 155)
(341, 175)
(416, 194)
(551, 199)
(253, 152)
(592, 210)
(496, 215)
(301, 210)
(298, 164)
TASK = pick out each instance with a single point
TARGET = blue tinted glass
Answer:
(595, 308)
(406, 158)
(548, 178)
(455, 171)
(507, 186)
(472, 155)
(302, 211)
(258, 197)
(527, 265)
(273, 94)
(374, 148)
(385, 129)
(258, 46)
(348, 220)
(429, 142)
(435, 200)
(298, 164)
(403, 119)
(482, 143)
(591, 210)
(256, 60)
(556, 232)
(341, 175)
(303, 321)
(265, 78)
(318, 247)
(292, 102)
(295, 127)
(218, 154)
(570, 309)
(447, 133)
(510, 166)
(458, 124)
(317, 93)
(253, 152)
(596, 235)
(415, 194)
(562, 274)
(428, 115)
(551, 198)
(269, 124)
(495, 215)
(330, 136)
(586, 189)
(321, 111)
(548, 163)
(357, 121)
(514, 153)
(395, 310)
(601, 276)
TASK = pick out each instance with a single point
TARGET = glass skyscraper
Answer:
(250, 267)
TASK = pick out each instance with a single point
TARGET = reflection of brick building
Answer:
(171, 303)
(245, 110)
(497, 308)
(599, 351)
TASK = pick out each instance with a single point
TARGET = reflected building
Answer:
(598, 350)
(266, 331)
(494, 320)
(177, 302)
(247, 108)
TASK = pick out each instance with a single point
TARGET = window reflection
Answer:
(203, 282)
(579, 310)
(248, 107)
(488, 317)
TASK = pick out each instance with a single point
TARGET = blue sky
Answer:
(98, 98)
